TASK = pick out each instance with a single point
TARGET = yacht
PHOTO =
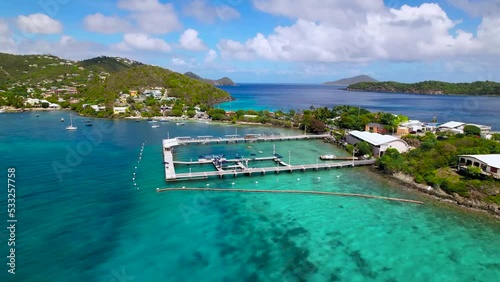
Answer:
(155, 126)
(180, 123)
(71, 127)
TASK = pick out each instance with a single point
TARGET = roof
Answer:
(374, 138)
(373, 124)
(452, 124)
(491, 160)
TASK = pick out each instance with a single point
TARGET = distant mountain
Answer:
(351, 80)
(225, 81)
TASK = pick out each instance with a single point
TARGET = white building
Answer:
(489, 164)
(98, 108)
(380, 143)
(458, 127)
(120, 110)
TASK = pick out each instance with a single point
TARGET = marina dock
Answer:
(240, 166)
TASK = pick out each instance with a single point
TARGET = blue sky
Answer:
(280, 41)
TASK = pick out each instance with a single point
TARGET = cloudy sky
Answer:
(281, 41)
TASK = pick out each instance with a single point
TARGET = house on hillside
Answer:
(375, 128)
(119, 110)
(489, 164)
(379, 143)
(458, 127)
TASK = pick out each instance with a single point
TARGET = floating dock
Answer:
(239, 167)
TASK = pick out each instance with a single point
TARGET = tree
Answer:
(363, 149)
(472, 130)
(45, 105)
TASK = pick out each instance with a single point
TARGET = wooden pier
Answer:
(264, 170)
(239, 167)
(321, 193)
(253, 138)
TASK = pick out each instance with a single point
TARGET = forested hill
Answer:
(190, 90)
(431, 87)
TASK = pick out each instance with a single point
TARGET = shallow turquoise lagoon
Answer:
(81, 218)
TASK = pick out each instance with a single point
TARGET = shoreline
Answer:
(417, 93)
(464, 204)
(399, 179)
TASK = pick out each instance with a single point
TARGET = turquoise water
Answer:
(473, 109)
(87, 221)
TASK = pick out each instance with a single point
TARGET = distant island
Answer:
(479, 88)
(225, 81)
(351, 80)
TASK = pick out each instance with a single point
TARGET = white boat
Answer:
(62, 119)
(155, 126)
(180, 123)
(71, 127)
(328, 157)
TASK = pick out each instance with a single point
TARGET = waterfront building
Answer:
(379, 143)
(489, 164)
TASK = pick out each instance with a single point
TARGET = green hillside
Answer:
(108, 64)
(431, 87)
(142, 77)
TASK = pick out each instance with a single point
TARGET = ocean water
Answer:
(81, 218)
(472, 109)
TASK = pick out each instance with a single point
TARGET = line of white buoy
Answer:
(138, 162)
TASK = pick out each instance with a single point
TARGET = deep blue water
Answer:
(472, 109)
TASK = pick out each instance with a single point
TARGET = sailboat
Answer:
(71, 127)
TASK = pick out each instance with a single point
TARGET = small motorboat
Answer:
(62, 119)
(155, 126)
(180, 123)
(328, 157)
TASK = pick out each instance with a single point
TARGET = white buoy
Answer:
(208, 185)
(256, 182)
(338, 176)
(183, 187)
(319, 177)
(133, 178)
(157, 189)
(134, 173)
(135, 167)
(135, 184)
(232, 183)
(298, 179)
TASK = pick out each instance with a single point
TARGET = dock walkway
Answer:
(241, 169)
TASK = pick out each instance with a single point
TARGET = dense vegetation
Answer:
(108, 64)
(191, 91)
(434, 161)
(97, 81)
(431, 87)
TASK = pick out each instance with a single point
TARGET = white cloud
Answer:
(490, 8)
(179, 62)
(39, 23)
(339, 12)
(104, 24)
(152, 16)
(139, 41)
(202, 11)
(405, 34)
(489, 34)
(211, 56)
(190, 41)
(7, 43)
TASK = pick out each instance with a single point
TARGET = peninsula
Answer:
(225, 81)
(479, 88)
